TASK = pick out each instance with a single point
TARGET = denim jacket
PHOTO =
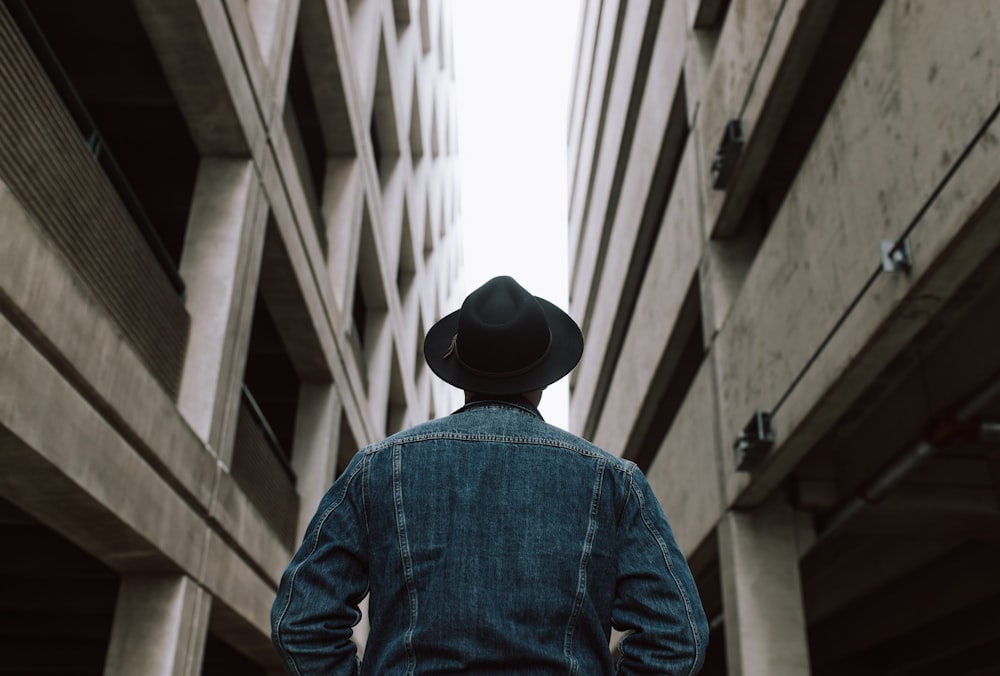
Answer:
(489, 542)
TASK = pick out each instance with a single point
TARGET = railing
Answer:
(263, 472)
(95, 142)
(261, 420)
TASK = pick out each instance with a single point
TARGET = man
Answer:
(488, 541)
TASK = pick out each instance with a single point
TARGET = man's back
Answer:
(495, 543)
(500, 522)
(490, 542)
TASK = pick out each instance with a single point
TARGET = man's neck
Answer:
(518, 400)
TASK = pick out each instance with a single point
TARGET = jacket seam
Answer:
(617, 464)
(405, 558)
(588, 547)
(366, 496)
(629, 472)
(688, 611)
(291, 581)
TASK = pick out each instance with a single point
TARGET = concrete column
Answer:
(264, 16)
(342, 206)
(160, 626)
(221, 265)
(762, 592)
(314, 457)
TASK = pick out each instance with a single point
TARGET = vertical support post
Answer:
(314, 457)
(160, 626)
(762, 592)
(343, 206)
(221, 265)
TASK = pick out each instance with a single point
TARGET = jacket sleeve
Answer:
(317, 602)
(656, 601)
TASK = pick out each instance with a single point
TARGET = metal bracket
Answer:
(753, 443)
(896, 256)
(728, 153)
(989, 431)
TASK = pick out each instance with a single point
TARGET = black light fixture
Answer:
(753, 443)
(896, 256)
(728, 153)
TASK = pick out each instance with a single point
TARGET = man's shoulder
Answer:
(534, 431)
(425, 430)
(558, 436)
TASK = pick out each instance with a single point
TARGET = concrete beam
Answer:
(673, 267)
(363, 40)
(583, 70)
(837, 574)
(42, 296)
(84, 480)
(326, 75)
(755, 75)
(294, 241)
(267, 83)
(888, 518)
(343, 206)
(706, 14)
(612, 154)
(911, 602)
(81, 477)
(302, 332)
(265, 18)
(205, 71)
(636, 186)
(84, 353)
(580, 171)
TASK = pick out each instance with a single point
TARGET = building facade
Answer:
(224, 227)
(784, 232)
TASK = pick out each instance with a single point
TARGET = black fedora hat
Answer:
(503, 341)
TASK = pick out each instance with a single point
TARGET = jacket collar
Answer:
(510, 401)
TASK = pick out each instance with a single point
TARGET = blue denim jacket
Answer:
(490, 542)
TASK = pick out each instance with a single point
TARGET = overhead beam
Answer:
(944, 586)
(965, 631)
(843, 571)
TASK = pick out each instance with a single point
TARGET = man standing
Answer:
(488, 541)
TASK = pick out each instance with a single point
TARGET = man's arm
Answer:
(656, 598)
(317, 602)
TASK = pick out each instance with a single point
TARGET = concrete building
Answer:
(784, 232)
(224, 226)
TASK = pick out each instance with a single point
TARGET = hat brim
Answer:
(563, 356)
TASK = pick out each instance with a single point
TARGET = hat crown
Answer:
(502, 329)
(503, 340)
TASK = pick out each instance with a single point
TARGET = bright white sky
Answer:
(513, 62)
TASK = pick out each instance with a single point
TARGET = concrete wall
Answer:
(94, 444)
(862, 123)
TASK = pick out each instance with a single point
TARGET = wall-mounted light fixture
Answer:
(896, 256)
(728, 153)
(754, 441)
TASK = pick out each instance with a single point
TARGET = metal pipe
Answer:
(978, 402)
(895, 472)
(989, 431)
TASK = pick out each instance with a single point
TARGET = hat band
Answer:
(453, 350)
